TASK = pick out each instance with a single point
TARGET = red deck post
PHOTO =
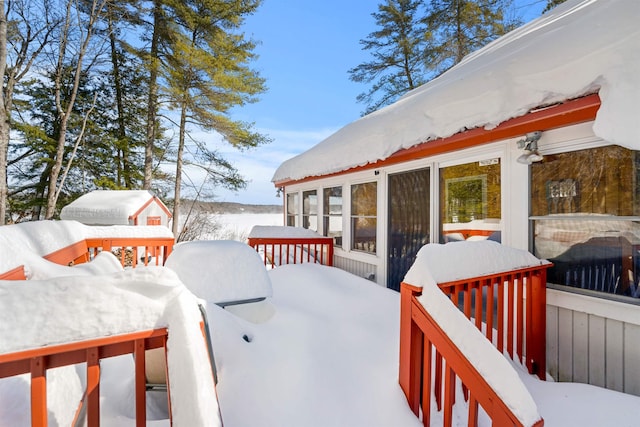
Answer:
(38, 392)
(406, 293)
(140, 383)
(93, 387)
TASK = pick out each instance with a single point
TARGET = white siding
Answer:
(593, 341)
(358, 268)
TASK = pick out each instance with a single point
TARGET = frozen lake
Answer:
(238, 226)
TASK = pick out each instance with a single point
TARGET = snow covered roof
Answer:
(108, 207)
(580, 47)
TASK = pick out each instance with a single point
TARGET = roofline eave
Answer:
(574, 111)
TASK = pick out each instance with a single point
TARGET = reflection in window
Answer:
(470, 201)
(332, 214)
(292, 209)
(310, 210)
(586, 208)
(364, 216)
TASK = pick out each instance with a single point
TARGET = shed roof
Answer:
(109, 207)
(580, 47)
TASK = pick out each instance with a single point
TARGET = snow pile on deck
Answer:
(579, 48)
(466, 259)
(26, 243)
(220, 271)
(436, 263)
(282, 232)
(68, 309)
(329, 356)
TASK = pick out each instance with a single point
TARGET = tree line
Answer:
(101, 93)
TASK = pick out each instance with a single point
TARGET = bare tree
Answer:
(4, 119)
(32, 29)
(85, 24)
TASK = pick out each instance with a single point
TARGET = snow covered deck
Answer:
(315, 346)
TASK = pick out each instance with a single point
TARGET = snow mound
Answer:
(485, 358)
(221, 271)
(461, 260)
(69, 309)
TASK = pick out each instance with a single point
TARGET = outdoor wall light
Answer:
(530, 146)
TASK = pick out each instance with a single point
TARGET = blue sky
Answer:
(306, 49)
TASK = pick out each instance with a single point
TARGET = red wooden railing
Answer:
(520, 321)
(523, 293)
(14, 274)
(277, 251)
(130, 250)
(38, 361)
(157, 248)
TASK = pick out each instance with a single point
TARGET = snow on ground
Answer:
(327, 355)
(67, 309)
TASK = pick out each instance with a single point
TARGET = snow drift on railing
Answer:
(462, 260)
(45, 237)
(69, 309)
(276, 231)
(440, 263)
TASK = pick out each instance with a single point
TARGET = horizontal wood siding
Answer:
(359, 268)
(591, 349)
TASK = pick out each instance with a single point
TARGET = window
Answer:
(585, 209)
(364, 216)
(292, 209)
(310, 210)
(470, 201)
(332, 214)
(154, 220)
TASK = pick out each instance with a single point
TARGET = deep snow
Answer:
(321, 351)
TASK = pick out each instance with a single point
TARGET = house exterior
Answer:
(532, 141)
(117, 207)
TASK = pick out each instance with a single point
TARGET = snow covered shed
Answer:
(533, 141)
(117, 207)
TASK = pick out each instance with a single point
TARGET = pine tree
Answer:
(551, 4)
(400, 49)
(460, 27)
(208, 73)
(420, 39)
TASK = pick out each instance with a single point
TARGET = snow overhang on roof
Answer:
(580, 47)
(108, 207)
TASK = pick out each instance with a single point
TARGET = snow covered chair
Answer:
(226, 273)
